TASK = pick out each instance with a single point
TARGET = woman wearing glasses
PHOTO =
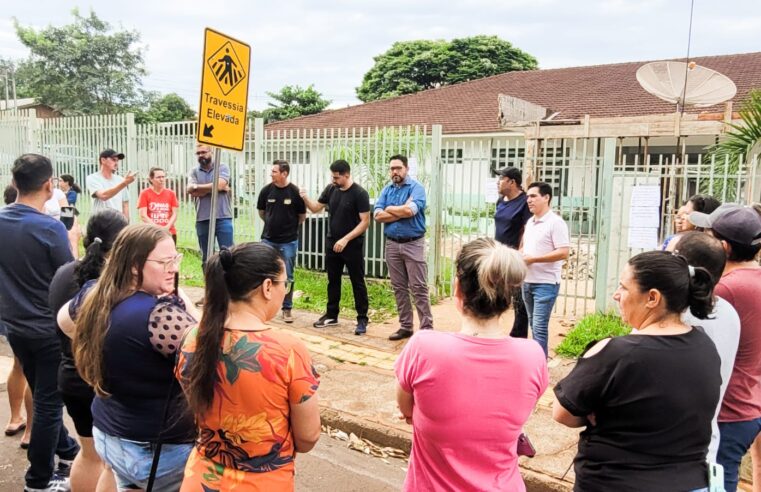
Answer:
(127, 328)
(252, 389)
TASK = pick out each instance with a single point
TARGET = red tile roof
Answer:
(472, 107)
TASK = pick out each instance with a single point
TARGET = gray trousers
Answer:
(409, 274)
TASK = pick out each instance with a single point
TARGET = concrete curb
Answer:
(384, 435)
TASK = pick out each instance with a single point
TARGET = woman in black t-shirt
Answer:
(102, 229)
(647, 399)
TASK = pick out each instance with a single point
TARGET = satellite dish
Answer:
(703, 87)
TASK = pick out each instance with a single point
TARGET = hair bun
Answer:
(226, 259)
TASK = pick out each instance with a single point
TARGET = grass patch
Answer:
(591, 328)
(314, 295)
(313, 289)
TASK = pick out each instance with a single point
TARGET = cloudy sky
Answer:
(331, 43)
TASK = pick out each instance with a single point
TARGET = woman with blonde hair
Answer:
(251, 389)
(128, 328)
(468, 394)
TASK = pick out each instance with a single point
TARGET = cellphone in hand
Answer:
(176, 283)
(67, 217)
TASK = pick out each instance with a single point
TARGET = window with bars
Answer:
(553, 168)
(451, 156)
(507, 157)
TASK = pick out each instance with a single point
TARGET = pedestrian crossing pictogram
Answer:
(227, 69)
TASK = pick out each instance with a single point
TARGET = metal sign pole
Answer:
(213, 209)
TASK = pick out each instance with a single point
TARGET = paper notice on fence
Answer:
(490, 190)
(412, 167)
(641, 217)
(643, 237)
(646, 196)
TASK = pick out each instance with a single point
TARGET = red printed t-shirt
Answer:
(159, 206)
(472, 397)
(742, 400)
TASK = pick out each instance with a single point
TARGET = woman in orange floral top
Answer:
(252, 389)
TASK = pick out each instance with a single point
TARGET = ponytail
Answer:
(203, 365)
(488, 272)
(701, 298)
(231, 276)
(102, 229)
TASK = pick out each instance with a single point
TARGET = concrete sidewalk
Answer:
(358, 389)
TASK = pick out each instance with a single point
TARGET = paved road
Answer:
(330, 467)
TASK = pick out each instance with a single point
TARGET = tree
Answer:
(10, 70)
(737, 147)
(294, 101)
(167, 108)
(412, 66)
(84, 67)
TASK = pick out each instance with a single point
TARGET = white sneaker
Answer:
(56, 484)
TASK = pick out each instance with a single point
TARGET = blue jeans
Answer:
(288, 252)
(224, 235)
(735, 438)
(40, 358)
(131, 462)
(539, 300)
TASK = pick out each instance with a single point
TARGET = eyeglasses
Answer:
(169, 262)
(288, 284)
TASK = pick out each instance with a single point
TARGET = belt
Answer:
(402, 240)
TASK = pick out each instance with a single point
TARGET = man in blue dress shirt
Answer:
(401, 206)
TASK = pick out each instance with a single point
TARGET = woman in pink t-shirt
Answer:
(468, 394)
(158, 204)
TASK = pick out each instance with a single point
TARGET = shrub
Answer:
(591, 328)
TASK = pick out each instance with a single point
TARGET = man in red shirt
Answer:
(158, 204)
(739, 230)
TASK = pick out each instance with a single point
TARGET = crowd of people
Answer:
(166, 398)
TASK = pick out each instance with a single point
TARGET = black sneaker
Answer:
(63, 470)
(361, 328)
(400, 334)
(324, 321)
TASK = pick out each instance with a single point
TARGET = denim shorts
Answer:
(131, 462)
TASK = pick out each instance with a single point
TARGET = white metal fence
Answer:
(591, 179)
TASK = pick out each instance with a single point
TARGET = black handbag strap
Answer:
(160, 438)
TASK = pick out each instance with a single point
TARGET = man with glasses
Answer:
(283, 210)
(401, 207)
(158, 204)
(510, 219)
(108, 189)
(200, 188)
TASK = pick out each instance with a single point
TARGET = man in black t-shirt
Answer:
(282, 209)
(348, 206)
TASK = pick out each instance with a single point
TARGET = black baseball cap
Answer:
(733, 222)
(108, 153)
(511, 173)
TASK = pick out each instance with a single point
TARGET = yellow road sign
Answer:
(224, 91)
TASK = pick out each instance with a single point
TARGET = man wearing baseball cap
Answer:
(739, 230)
(108, 189)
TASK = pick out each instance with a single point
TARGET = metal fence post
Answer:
(605, 222)
(435, 211)
(259, 173)
(133, 166)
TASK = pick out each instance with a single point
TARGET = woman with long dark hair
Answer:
(69, 188)
(468, 394)
(127, 331)
(102, 229)
(647, 399)
(252, 389)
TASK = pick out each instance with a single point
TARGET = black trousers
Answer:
(353, 257)
(520, 325)
(39, 359)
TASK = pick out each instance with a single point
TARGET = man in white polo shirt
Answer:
(545, 245)
(108, 189)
